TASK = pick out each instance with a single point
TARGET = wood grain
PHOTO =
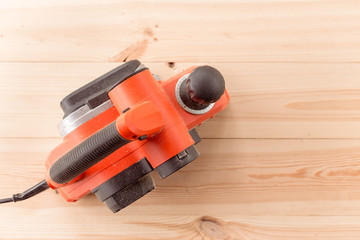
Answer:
(268, 100)
(281, 162)
(181, 31)
(291, 189)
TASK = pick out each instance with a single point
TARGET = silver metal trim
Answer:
(141, 66)
(84, 114)
(182, 104)
(80, 116)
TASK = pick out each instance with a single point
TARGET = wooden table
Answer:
(282, 162)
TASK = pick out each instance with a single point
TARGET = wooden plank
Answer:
(282, 162)
(181, 31)
(102, 226)
(240, 189)
(268, 100)
(251, 177)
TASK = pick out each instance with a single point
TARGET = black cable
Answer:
(6, 200)
(38, 188)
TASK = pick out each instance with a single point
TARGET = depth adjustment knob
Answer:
(203, 87)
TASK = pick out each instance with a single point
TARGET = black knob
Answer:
(204, 86)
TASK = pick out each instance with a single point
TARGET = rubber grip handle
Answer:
(87, 154)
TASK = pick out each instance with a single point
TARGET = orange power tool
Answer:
(123, 125)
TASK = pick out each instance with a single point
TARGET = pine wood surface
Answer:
(281, 162)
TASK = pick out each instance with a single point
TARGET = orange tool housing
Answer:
(174, 135)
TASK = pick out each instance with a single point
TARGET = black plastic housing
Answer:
(126, 187)
(95, 92)
(178, 161)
